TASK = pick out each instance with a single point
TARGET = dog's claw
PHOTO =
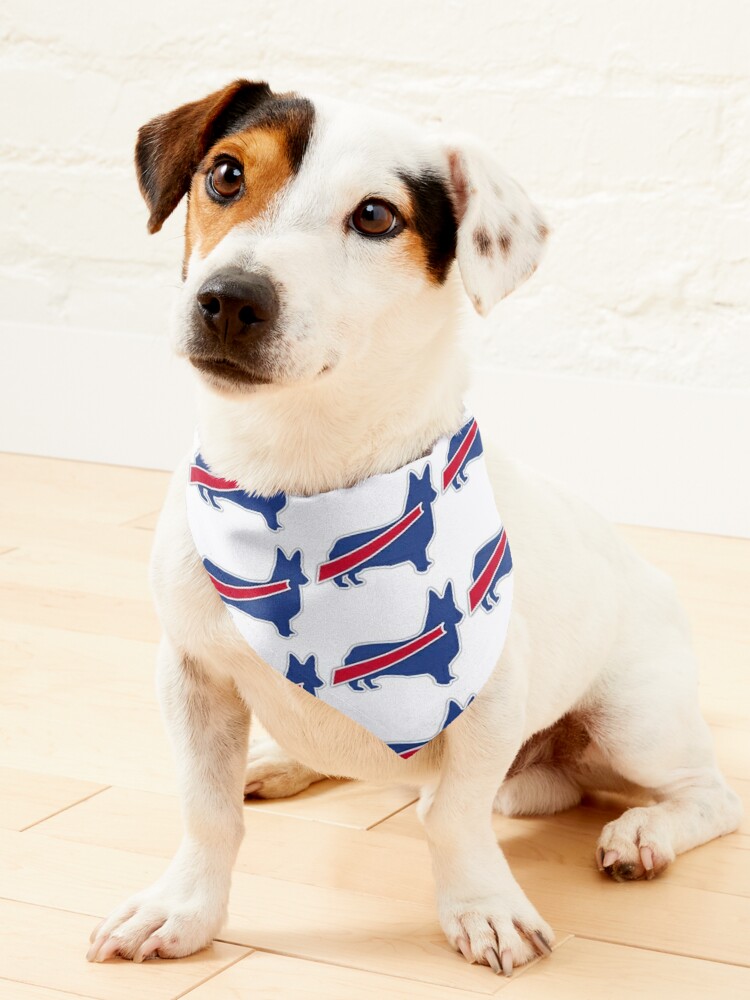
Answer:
(95, 933)
(107, 950)
(541, 943)
(647, 860)
(506, 963)
(609, 858)
(149, 949)
(463, 947)
(493, 961)
(94, 949)
(600, 858)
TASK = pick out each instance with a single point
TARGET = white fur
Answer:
(594, 629)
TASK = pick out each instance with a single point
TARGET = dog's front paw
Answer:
(272, 774)
(156, 924)
(497, 931)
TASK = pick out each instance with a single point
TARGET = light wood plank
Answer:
(584, 968)
(79, 611)
(70, 703)
(27, 991)
(66, 568)
(82, 491)
(145, 523)
(275, 846)
(357, 804)
(19, 527)
(45, 948)
(27, 798)
(390, 860)
(339, 926)
(277, 977)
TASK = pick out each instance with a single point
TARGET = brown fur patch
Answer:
(264, 155)
(542, 231)
(561, 745)
(504, 241)
(482, 242)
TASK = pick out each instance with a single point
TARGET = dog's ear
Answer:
(170, 147)
(500, 232)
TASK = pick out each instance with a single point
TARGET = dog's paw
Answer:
(636, 845)
(272, 774)
(154, 924)
(497, 932)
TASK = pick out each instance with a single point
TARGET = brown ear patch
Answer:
(264, 155)
(482, 242)
(505, 242)
(170, 148)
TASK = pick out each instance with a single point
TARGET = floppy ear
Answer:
(170, 147)
(500, 232)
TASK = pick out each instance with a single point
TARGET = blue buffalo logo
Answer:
(431, 651)
(463, 447)
(400, 541)
(276, 600)
(491, 563)
(213, 489)
(452, 712)
(304, 674)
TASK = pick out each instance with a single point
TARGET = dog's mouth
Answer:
(228, 372)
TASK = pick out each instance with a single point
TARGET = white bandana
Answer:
(389, 600)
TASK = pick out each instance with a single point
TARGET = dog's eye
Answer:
(374, 217)
(224, 182)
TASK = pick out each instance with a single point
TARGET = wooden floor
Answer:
(332, 894)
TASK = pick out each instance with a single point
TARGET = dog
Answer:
(327, 251)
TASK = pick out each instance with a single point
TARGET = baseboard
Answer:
(657, 455)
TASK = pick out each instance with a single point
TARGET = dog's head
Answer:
(312, 226)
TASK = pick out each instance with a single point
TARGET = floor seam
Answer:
(70, 805)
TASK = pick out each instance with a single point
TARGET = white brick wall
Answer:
(628, 121)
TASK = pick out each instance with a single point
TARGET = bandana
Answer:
(388, 600)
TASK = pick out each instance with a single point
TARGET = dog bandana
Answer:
(388, 600)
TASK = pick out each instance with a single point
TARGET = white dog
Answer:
(319, 308)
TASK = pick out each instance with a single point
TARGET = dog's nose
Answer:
(233, 304)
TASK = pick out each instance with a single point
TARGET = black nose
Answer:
(234, 304)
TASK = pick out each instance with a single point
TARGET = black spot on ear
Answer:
(434, 219)
(504, 241)
(482, 242)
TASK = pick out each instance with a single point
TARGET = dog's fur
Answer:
(596, 687)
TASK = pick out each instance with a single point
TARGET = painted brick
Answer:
(629, 124)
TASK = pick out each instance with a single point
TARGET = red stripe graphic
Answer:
(481, 585)
(356, 670)
(253, 592)
(405, 754)
(201, 477)
(457, 461)
(343, 564)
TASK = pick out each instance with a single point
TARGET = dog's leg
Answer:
(484, 912)
(272, 774)
(184, 909)
(652, 733)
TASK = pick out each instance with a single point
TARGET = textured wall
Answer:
(629, 123)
